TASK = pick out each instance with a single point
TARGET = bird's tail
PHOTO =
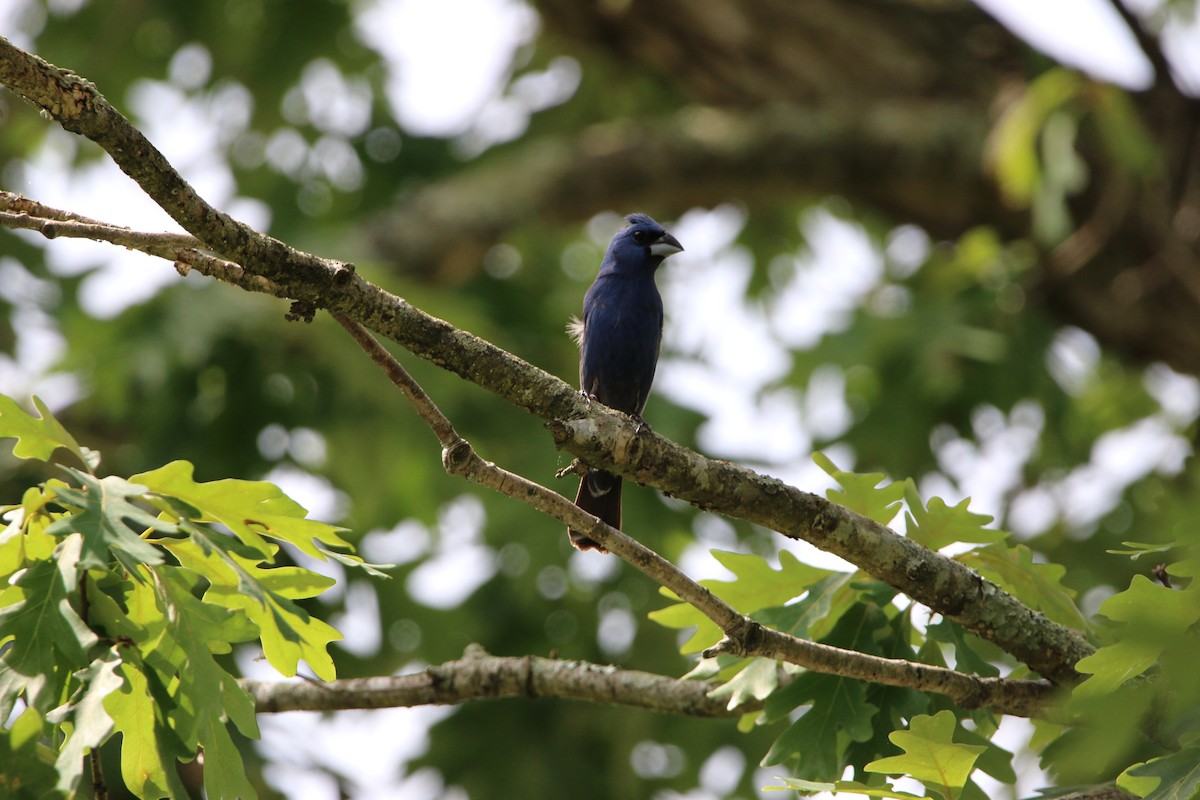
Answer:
(599, 495)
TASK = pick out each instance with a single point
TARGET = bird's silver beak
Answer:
(667, 245)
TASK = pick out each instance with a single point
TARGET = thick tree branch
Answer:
(884, 103)
(917, 160)
(597, 435)
(479, 675)
(842, 51)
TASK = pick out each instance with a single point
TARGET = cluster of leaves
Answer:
(1110, 721)
(120, 600)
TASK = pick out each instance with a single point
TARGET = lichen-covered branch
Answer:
(479, 675)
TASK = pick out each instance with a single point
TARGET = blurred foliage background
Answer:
(914, 242)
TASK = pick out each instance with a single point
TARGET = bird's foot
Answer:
(641, 423)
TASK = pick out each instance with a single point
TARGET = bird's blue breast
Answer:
(623, 317)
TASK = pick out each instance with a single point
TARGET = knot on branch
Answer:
(343, 273)
(742, 640)
(608, 438)
(560, 432)
(456, 456)
(475, 650)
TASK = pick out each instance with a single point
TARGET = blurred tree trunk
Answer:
(892, 105)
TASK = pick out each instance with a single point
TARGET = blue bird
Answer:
(619, 338)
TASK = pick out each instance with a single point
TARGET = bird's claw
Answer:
(641, 423)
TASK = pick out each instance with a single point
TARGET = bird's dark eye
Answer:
(641, 237)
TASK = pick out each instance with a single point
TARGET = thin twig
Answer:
(433, 416)
(156, 244)
(99, 786)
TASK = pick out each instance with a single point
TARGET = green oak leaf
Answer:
(1136, 550)
(682, 616)
(1178, 775)
(1157, 618)
(216, 558)
(896, 704)
(201, 629)
(90, 723)
(26, 765)
(1186, 568)
(37, 437)
(1113, 665)
(1039, 586)
(149, 747)
(931, 755)
(818, 612)
(105, 518)
(862, 493)
(251, 509)
(801, 786)
(1148, 603)
(355, 562)
(288, 632)
(839, 712)
(1107, 730)
(224, 771)
(47, 638)
(935, 524)
(264, 595)
(756, 682)
(813, 787)
(184, 633)
(967, 657)
(755, 586)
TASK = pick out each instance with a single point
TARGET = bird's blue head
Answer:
(641, 246)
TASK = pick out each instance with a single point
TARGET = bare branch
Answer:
(164, 245)
(479, 675)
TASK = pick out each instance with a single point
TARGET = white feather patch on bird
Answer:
(575, 330)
